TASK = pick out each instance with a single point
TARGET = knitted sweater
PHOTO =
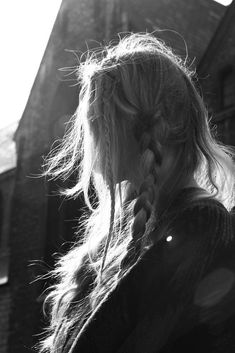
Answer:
(179, 296)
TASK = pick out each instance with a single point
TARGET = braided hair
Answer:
(145, 201)
(106, 90)
(138, 105)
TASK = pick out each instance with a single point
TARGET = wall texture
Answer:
(6, 193)
(216, 72)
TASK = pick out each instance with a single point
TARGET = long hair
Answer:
(136, 97)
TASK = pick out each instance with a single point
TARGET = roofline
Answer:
(7, 171)
(217, 38)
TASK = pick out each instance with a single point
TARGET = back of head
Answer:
(141, 106)
(139, 88)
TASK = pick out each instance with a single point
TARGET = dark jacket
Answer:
(179, 296)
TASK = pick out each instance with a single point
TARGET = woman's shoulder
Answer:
(196, 198)
(196, 215)
(202, 211)
(209, 216)
(196, 206)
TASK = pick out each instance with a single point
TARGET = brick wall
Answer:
(5, 302)
(6, 190)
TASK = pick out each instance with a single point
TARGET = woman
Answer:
(152, 270)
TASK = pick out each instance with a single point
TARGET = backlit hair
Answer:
(136, 88)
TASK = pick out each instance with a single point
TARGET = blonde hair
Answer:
(138, 87)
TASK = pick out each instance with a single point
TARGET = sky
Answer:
(25, 27)
(224, 2)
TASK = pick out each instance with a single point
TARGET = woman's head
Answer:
(134, 89)
(138, 109)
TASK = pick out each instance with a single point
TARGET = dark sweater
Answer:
(179, 297)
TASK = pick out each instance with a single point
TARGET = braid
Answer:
(151, 155)
(105, 90)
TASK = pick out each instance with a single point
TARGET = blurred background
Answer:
(39, 99)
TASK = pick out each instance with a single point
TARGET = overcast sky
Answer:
(25, 27)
